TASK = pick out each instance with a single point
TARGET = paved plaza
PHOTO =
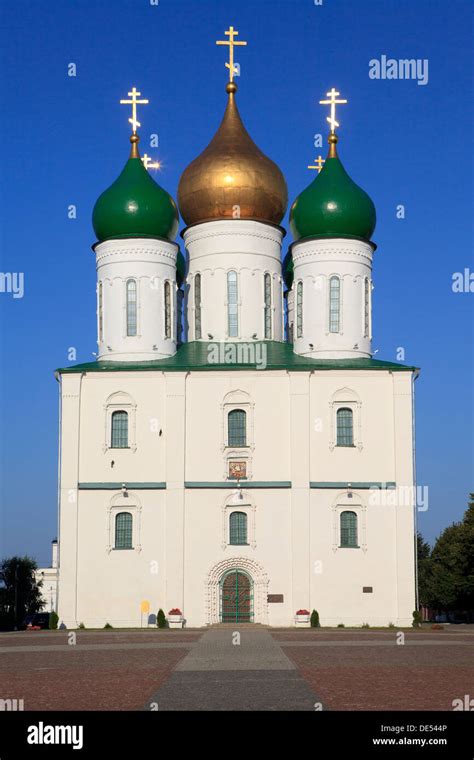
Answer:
(238, 668)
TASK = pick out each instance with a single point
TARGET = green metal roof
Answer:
(135, 206)
(197, 357)
(333, 206)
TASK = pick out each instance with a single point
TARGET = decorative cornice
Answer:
(104, 257)
(233, 484)
(118, 486)
(369, 484)
(273, 234)
(134, 245)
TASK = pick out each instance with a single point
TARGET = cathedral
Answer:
(235, 453)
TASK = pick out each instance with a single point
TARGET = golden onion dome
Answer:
(232, 178)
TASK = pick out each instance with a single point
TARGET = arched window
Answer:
(299, 310)
(237, 428)
(348, 529)
(131, 308)
(197, 307)
(119, 434)
(123, 530)
(232, 305)
(366, 308)
(238, 528)
(167, 309)
(100, 312)
(267, 286)
(345, 427)
(334, 304)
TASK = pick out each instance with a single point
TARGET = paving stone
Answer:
(235, 691)
(218, 674)
(216, 650)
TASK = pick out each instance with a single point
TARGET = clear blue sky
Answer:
(65, 139)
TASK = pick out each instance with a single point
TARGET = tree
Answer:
(445, 570)
(20, 592)
(448, 576)
(424, 555)
(161, 619)
(315, 619)
(466, 543)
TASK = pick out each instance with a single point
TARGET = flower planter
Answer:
(302, 620)
(175, 621)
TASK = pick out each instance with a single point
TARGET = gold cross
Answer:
(332, 95)
(319, 161)
(231, 42)
(148, 162)
(134, 102)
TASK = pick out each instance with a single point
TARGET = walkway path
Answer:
(232, 669)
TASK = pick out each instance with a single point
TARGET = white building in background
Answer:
(257, 468)
(48, 576)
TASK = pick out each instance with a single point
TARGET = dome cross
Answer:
(134, 95)
(333, 101)
(231, 42)
(148, 162)
(319, 162)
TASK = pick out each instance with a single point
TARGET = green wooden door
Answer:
(236, 598)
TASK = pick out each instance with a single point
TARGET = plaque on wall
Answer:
(275, 598)
(367, 589)
(238, 470)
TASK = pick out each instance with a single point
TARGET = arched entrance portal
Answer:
(236, 597)
(258, 580)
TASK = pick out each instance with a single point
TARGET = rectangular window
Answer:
(123, 531)
(101, 318)
(334, 304)
(237, 428)
(167, 310)
(197, 307)
(119, 435)
(348, 529)
(131, 308)
(238, 529)
(268, 306)
(299, 310)
(232, 305)
(366, 308)
(345, 427)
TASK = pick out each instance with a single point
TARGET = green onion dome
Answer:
(135, 205)
(333, 205)
(288, 270)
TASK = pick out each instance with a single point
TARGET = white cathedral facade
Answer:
(248, 465)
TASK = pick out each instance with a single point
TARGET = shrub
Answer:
(161, 619)
(53, 621)
(341, 625)
(302, 612)
(175, 611)
(107, 625)
(81, 625)
(365, 625)
(417, 620)
(315, 619)
(391, 625)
